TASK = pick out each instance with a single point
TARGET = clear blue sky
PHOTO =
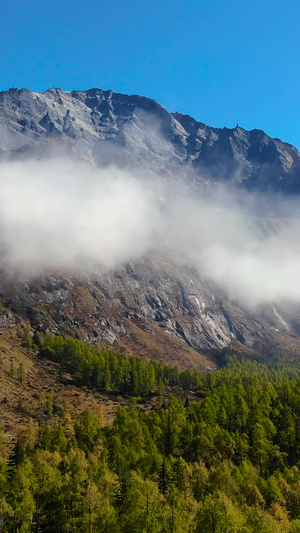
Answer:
(222, 61)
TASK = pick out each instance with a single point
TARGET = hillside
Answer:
(37, 385)
(223, 457)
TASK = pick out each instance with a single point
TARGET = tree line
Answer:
(106, 370)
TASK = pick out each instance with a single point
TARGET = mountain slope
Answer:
(154, 308)
(157, 306)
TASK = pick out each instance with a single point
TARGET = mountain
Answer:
(106, 127)
(157, 306)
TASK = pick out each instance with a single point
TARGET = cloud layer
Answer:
(66, 215)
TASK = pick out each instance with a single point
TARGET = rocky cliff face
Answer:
(106, 127)
(156, 306)
(153, 307)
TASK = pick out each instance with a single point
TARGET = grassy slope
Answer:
(45, 379)
(20, 402)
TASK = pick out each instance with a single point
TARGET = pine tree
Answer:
(21, 374)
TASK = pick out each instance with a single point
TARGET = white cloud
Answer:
(67, 215)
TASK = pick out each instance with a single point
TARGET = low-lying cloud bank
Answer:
(66, 215)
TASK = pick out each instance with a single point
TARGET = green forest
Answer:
(107, 370)
(228, 462)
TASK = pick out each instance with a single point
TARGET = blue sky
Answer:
(223, 62)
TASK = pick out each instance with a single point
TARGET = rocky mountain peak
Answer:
(144, 132)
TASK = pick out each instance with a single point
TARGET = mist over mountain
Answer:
(146, 229)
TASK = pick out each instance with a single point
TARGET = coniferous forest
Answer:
(228, 462)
